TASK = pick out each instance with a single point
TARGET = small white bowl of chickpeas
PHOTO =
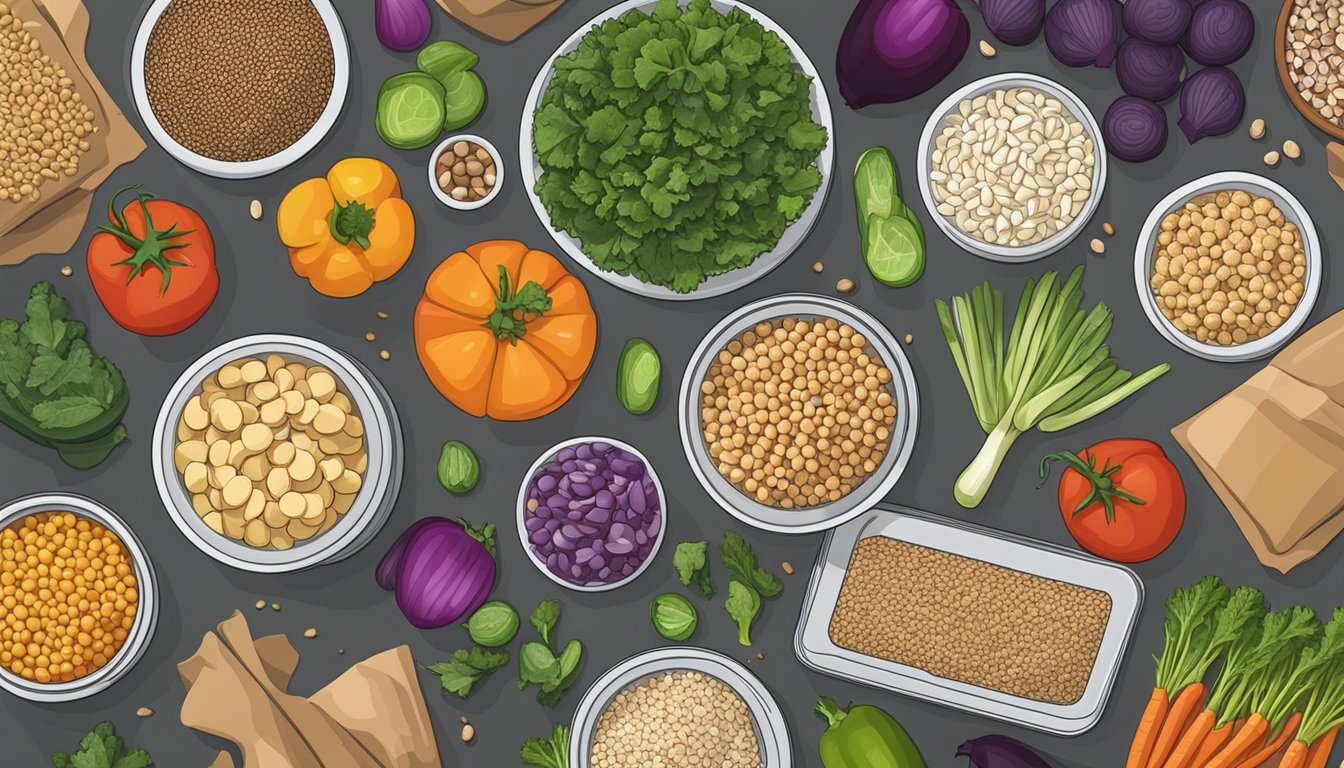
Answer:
(278, 453)
(71, 637)
(798, 413)
(1228, 267)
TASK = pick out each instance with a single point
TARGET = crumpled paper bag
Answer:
(372, 716)
(503, 20)
(1273, 449)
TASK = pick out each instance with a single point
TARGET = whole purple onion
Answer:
(1083, 33)
(1135, 129)
(402, 25)
(1212, 103)
(1015, 22)
(892, 50)
(1220, 32)
(1158, 21)
(1149, 71)
(446, 572)
(386, 573)
(593, 513)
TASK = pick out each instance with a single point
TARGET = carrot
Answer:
(1184, 709)
(1296, 756)
(1249, 739)
(1196, 735)
(1285, 733)
(1321, 748)
(1145, 736)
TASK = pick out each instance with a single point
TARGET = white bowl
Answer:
(772, 730)
(948, 224)
(252, 168)
(147, 609)
(382, 479)
(447, 199)
(793, 237)
(874, 487)
(522, 514)
(1144, 254)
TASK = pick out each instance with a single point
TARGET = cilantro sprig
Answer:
(103, 748)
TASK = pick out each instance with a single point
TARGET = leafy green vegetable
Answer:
(444, 58)
(1324, 677)
(743, 604)
(410, 112)
(550, 752)
(1055, 371)
(537, 665)
(459, 469)
(103, 748)
(53, 389)
(463, 100)
(677, 145)
(570, 659)
(744, 566)
(673, 616)
(544, 617)
(1191, 619)
(691, 559)
(467, 668)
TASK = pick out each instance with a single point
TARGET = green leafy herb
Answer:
(1324, 710)
(691, 559)
(570, 659)
(550, 752)
(743, 564)
(1054, 372)
(677, 145)
(103, 748)
(544, 617)
(743, 604)
(467, 668)
(53, 389)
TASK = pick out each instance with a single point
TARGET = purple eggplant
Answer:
(995, 751)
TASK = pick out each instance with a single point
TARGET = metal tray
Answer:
(814, 648)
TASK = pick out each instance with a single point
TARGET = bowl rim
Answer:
(1293, 209)
(790, 240)
(381, 478)
(147, 607)
(447, 199)
(1055, 242)
(772, 728)
(903, 388)
(223, 169)
(1285, 80)
(521, 513)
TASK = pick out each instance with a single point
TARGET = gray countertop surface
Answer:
(261, 294)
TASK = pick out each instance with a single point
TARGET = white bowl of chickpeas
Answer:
(76, 635)
(278, 453)
(798, 413)
(1228, 267)
(716, 706)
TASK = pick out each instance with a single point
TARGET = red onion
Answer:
(1157, 21)
(893, 50)
(1082, 33)
(1220, 32)
(402, 25)
(1015, 22)
(386, 574)
(1135, 129)
(1149, 71)
(1212, 103)
(446, 572)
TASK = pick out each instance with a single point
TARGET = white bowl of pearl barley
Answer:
(1012, 167)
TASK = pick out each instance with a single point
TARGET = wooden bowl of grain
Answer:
(1292, 75)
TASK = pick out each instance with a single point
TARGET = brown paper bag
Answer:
(54, 223)
(372, 716)
(1273, 449)
(503, 20)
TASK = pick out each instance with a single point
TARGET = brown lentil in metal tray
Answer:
(239, 81)
(1313, 57)
(970, 621)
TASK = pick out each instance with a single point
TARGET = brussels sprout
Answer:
(673, 616)
(493, 624)
(458, 467)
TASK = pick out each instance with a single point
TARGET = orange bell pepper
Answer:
(505, 331)
(349, 230)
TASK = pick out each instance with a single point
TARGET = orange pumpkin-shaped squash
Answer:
(505, 331)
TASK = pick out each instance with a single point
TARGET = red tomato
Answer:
(153, 266)
(1121, 499)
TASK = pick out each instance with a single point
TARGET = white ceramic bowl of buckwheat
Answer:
(1042, 157)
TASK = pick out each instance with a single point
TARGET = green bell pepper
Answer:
(864, 737)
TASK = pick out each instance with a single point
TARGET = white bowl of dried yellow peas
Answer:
(277, 453)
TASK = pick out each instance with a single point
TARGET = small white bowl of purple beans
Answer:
(591, 514)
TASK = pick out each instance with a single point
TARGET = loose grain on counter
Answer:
(970, 621)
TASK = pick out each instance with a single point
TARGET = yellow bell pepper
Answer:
(349, 230)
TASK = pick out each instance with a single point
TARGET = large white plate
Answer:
(529, 168)
(340, 50)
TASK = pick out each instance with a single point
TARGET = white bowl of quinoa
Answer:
(719, 707)
(238, 90)
(849, 435)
